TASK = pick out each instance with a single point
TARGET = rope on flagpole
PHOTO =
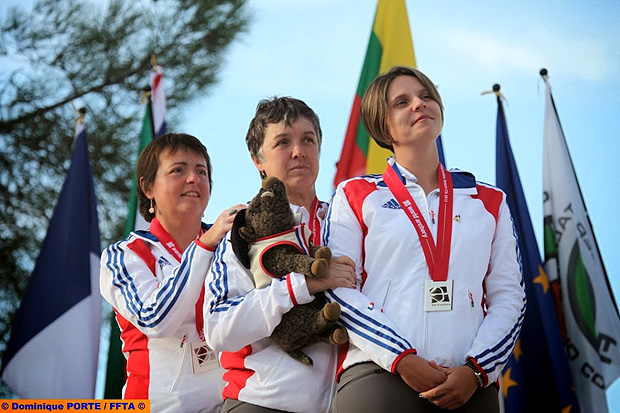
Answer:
(145, 95)
(500, 97)
(154, 66)
(497, 93)
(81, 112)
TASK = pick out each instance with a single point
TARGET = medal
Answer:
(438, 295)
(203, 358)
(438, 291)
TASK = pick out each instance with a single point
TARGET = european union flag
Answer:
(537, 377)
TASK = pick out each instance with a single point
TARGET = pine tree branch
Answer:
(8, 125)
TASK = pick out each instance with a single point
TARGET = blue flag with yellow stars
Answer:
(537, 377)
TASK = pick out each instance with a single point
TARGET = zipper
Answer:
(429, 201)
(387, 293)
(425, 337)
(176, 380)
(472, 313)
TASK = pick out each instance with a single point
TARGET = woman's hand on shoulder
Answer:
(221, 226)
(340, 273)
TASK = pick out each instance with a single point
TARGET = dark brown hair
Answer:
(275, 110)
(148, 164)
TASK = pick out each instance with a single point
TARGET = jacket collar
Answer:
(464, 182)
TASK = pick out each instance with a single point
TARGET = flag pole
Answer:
(115, 372)
(145, 99)
(115, 367)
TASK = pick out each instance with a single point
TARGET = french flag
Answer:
(54, 345)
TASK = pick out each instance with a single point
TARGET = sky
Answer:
(314, 50)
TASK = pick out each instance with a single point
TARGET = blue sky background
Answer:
(314, 50)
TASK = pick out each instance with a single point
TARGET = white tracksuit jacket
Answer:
(157, 318)
(387, 321)
(238, 322)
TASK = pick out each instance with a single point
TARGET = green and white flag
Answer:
(575, 268)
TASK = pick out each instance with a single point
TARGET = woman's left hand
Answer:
(453, 393)
(221, 226)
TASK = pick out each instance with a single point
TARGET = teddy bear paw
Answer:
(301, 357)
(340, 336)
(319, 267)
(323, 252)
(331, 311)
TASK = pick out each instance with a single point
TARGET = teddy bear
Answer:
(269, 242)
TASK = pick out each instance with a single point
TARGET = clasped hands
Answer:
(448, 388)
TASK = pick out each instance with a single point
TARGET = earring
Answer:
(263, 174)
(151, 209)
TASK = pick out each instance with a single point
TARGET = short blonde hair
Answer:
(375, 108)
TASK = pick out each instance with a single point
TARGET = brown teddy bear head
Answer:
(269, 211)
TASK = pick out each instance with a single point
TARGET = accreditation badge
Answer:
(203, 358)
(438, 295)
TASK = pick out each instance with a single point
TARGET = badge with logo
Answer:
(203, 358)
(438, 295)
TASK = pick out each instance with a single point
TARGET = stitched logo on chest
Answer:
(162, 262)
(391, 204)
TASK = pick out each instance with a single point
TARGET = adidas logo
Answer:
(162, 262)
(391, 204)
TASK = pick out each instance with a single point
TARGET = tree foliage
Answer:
(97, 57)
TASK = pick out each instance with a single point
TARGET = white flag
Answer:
(573, 260)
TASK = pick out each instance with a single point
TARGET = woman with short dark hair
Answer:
(283, 138)
(154, 280)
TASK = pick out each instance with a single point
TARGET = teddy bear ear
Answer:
(247, 233)
(239, 245)
(267, 182)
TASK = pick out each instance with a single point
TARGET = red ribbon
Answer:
(437, 255)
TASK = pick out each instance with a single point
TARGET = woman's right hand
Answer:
(221, 226)
(419, 374)
(340, 273)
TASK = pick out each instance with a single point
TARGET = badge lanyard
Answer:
(173, 248)
(437, 255)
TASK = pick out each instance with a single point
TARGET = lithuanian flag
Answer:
(389, 45)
